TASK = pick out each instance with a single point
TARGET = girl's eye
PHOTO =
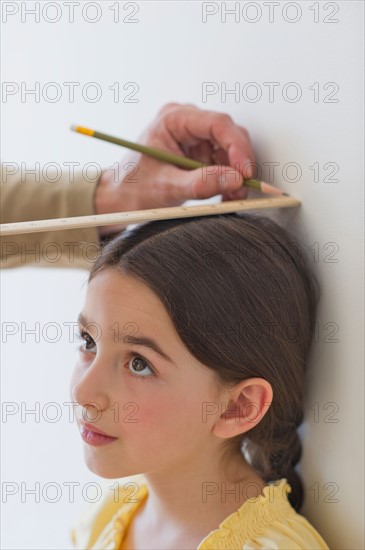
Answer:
(138, 362)
(86, 338)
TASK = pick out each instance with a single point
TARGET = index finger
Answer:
(189, 124)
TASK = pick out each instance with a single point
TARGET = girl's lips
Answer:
(92, 428)
(93, 436)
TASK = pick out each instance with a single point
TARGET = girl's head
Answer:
(198, 330)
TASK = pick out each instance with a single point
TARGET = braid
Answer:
(275, 456)
(283, 462)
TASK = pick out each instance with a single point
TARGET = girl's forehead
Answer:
(113, 297)
(120, 288)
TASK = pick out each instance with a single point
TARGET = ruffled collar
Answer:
(250, 518)
(245, 523)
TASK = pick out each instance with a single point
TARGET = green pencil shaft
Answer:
(165, 156)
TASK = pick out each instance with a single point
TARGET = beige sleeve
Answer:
(26, 200)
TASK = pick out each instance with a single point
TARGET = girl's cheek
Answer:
(81, 365)
(73, 379)
(84, 358)
(77, 374)
(154, 414)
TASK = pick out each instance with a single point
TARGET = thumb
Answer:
(203, 183)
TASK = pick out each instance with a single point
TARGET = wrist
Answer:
(104, 196)
(109, 198)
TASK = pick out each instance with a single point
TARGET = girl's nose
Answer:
(92, 402)
(89, 390)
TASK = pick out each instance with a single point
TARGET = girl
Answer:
(190, 382)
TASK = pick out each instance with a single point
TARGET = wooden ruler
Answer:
(139, 216)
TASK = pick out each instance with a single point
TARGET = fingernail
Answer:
(248, 165)
(241, 193)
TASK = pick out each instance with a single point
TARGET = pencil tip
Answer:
(73, 127)
(286, 194)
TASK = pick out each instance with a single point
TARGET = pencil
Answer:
(165, 156)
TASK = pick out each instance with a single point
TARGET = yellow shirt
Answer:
(267, 521)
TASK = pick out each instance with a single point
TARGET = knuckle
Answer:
(224, 118)
(245, 132)
(193, 188)
(167, 107)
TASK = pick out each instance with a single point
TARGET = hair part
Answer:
(241, 296)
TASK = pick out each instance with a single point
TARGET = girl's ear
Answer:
(248, 402)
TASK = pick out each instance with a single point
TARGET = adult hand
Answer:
(185, 130)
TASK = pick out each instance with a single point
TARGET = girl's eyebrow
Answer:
(136, 340)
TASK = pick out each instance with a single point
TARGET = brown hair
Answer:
(239, 291)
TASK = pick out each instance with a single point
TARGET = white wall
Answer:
(169, 52)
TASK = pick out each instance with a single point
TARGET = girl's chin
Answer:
(104, 470)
